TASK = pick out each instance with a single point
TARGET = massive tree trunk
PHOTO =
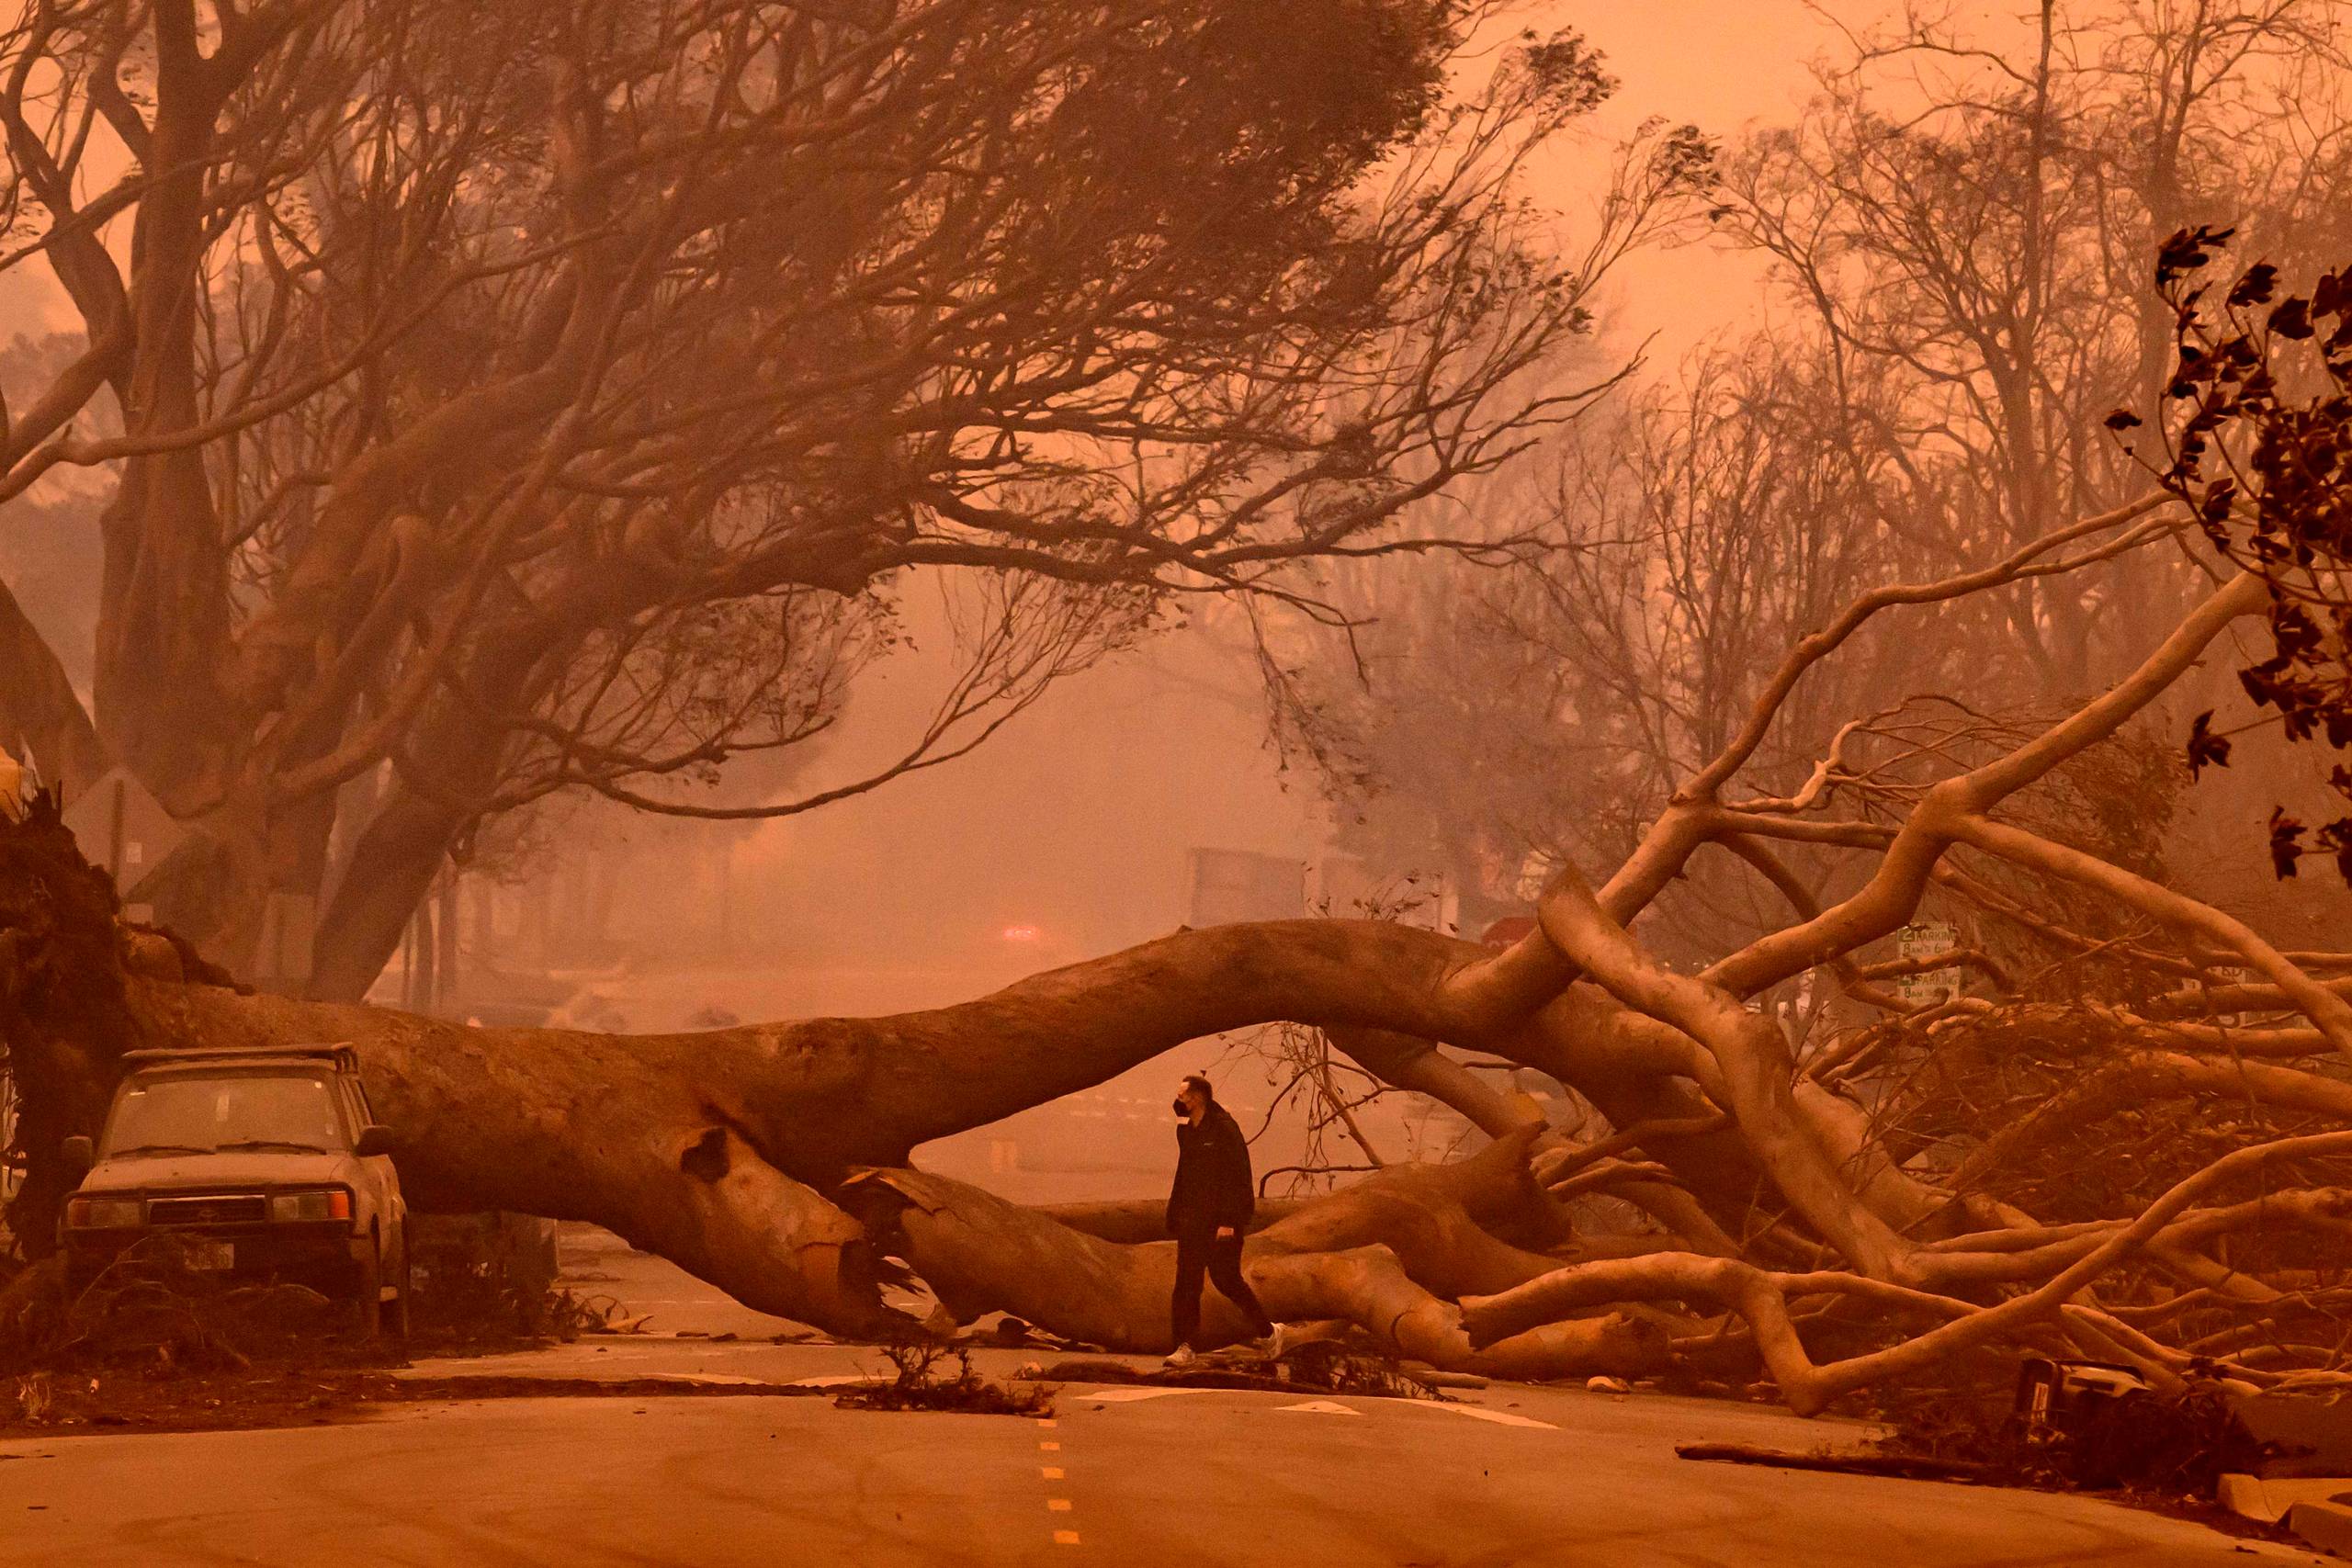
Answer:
(164, 617)
(726, 1151)
(715, 1149)
(454, 765)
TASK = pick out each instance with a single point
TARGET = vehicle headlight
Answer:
(325, 1203)
(105, 1213)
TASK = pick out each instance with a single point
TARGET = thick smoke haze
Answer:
(1076, 820)
(1400, 768)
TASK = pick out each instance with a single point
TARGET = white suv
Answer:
(266, 1162)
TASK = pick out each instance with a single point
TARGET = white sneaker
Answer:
(1179, 1357)
(1281, 1342)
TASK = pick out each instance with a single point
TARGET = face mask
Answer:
(1183, 1111)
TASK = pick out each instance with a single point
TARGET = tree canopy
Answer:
(552, 398)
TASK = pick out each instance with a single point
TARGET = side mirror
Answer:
(80, 1154)
(373, 1141)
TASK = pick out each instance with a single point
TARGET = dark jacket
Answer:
(1213, 1185)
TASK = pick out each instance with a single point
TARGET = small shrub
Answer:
(924, 1381)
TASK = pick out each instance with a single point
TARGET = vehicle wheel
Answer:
(368, 1304)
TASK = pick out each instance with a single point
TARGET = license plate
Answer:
(212, 1257)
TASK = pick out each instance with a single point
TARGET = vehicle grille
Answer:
(209, 1209)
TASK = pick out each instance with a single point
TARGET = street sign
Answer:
(1923, 940)
(121, 828)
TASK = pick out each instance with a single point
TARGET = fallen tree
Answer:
(716, 1148)
(1792, 1238)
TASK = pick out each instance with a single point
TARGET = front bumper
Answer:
(323, 1256)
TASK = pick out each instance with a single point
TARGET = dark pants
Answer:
(1219, 1258)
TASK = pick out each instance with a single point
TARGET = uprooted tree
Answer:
(1791, 1240)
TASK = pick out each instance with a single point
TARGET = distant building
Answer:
(1231, 886)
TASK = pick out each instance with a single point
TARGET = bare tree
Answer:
(1490, 724)
(1960, 231)
(1963, 221)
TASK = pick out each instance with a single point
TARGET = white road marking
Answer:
(1321, 1408)
(1050, 1447)
(1500, 1418)
(1050, 1471)
(1057, 1504)
(1065, 1538)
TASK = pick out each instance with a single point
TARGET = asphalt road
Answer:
(1135, 1478)
(1188, 1477)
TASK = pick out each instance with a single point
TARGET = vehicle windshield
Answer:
(204, 1115)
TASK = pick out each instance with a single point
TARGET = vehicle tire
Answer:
(368, 1299)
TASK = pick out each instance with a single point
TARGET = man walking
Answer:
(1208, 1211)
